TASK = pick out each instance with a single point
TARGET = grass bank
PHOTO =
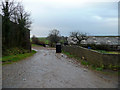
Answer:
(44, 39)
(108, 52)
(14, 58)
(35, 45)
(90, 66)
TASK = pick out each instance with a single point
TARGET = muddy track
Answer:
(46, 69)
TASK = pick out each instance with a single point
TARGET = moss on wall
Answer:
(94, 57)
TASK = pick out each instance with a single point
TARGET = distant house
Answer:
(98, 40)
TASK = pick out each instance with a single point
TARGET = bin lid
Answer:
(58, 44)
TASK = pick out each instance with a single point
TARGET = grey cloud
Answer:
(92, 18)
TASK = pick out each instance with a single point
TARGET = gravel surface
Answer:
(46, 69)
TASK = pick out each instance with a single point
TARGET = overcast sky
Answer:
(94, 18)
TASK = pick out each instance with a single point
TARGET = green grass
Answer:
(108, 52)
(99, 69)
(35, 45)
(83, 62)
(14, 51)
(111, 73)
(68, 54)
(14, 58)
(44, 39)
(91, 66)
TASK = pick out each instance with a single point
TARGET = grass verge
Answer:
(44, 39)
(14, 58)
(108, 52)
(91, 66)
(35, 45)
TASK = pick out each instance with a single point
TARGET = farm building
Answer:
(107, 40)
(98, 40)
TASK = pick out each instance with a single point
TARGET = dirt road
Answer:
(46, 69)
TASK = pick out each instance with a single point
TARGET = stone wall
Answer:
(92, 56)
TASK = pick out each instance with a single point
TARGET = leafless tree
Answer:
(79, 36)
(16, 13)
(54, 36)
(10, 5)
(23, 17)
